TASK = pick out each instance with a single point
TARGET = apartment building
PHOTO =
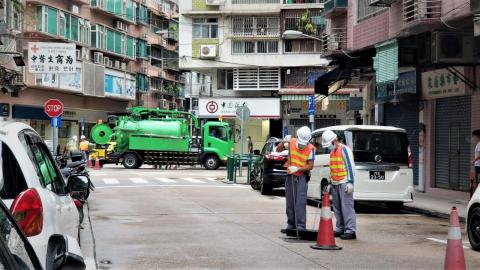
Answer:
(126, 55)
(416, 64)
(240, 45)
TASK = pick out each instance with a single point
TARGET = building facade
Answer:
(241, 46)
(422, 77)
(126, 55)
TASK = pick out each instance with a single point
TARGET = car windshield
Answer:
(379, 146)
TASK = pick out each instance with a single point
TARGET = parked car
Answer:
(16, 252)
(473, 220)
(383, 167)
(33, 187)
(269, 170)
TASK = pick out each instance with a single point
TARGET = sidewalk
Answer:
(437, 206)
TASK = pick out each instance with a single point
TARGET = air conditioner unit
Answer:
(84, 53)
(452, 47)
(117, 64)
(98, 58)
(78, 54)
(74, 9)
(111, 63)
(124, 66)
(475, 6)
(164, 74)
(164, 42)
(144, 35)
(213, 2)
(144, 70)
(208, 51)
(163, 104)
(381, 3)
(106, 60)
(333, 46)
(119, 25)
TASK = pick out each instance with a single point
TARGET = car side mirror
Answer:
(63, 252)
(78, 187)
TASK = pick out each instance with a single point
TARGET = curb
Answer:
(431, 213)
(87, 241)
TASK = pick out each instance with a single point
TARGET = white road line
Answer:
(192, 180)
(169, 186)
(165, 180)
(211, 179)
(138, 180)
(110, 181)
(443, 242)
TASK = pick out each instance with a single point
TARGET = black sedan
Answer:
(269, 170)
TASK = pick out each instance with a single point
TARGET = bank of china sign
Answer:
(47, 57)
(226, 107)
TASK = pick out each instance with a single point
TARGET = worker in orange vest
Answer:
(84, 147)
(342, 179)
(300, 162)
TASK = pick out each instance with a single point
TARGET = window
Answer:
(218, 132)
(11, 174)
(74, 28)
(256, 79)
(365, 10)
(392, 147)
(225, 79)
(156, 84)
(47, 20)
(115, 41)
(97, 36)
(303, 46)
(142, 14)
(260, 46)
(256, 26)
(131, 47)
(130, 8)
(205, 28)
(142, 83)
(142, 48)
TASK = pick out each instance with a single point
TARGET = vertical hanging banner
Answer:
(48, 57)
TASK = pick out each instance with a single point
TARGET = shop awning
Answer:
(294, 97)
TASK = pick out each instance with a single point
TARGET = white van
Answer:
(383, 169)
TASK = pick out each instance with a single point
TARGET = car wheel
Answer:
(255, 178)
(395, 206)
(265, 189)
(211, 162)
(131, 161)
(473, 229)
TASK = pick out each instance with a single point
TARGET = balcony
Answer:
(171, 64)
(334, 7)
(294, 4)
(261, 27)
(335, 40)
(421, 13)
(173, 35)
(103, 8)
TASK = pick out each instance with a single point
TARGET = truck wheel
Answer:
(211, 162)
(131, 161)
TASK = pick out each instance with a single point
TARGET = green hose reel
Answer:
(101, 133)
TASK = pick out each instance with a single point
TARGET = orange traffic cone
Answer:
(454, 259)
(97, 164)
(325, 237)
(90, 165)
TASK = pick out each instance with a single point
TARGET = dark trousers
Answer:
(296, 201)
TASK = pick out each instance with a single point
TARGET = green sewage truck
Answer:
(162, 137)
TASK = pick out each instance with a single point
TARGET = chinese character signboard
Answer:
(46, 57)
(442, 83)
(227, 107)
(405, 84)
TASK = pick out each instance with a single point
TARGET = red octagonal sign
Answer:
(53, 108)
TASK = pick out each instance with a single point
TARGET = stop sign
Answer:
(53, 108)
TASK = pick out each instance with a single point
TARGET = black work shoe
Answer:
(284, 231)
(338, 234)
(348, 236)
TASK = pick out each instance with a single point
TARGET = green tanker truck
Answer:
(162, 137)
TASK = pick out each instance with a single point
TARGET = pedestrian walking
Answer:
(250, 145)
(299, 164)
(476, 160)
(84, 147)
(341, 185)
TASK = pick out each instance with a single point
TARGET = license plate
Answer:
(377, 175)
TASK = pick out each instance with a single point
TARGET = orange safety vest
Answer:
(298, 157)
(84, 146)
(338, 170)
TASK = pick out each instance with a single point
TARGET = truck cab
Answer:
(217, 144)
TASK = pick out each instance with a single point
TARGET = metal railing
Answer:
(335, 39)
(421, 11)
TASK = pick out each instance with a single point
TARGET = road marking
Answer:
(211, 179)
(169, 186)
(443, 242)
(165, 180)
(192, 180)
(110, 181)
(138, 180)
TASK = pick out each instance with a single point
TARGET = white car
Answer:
(473, 220)
(32, 186)
(383, 170)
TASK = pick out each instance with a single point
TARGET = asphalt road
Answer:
(178, 219)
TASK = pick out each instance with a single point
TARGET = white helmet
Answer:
(82, 137)
(75, 138)
(328, 137)
(304, 135)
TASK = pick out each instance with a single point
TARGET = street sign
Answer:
(285, 131)
(311, 105)
(49, 57)
(53, 108)
(56, 122)
(243, 112)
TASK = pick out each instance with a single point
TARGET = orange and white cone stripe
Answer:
(454, 258)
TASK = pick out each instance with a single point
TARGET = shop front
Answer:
(263, 113)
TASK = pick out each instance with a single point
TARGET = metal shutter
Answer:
(452, 141)
(405, 115)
